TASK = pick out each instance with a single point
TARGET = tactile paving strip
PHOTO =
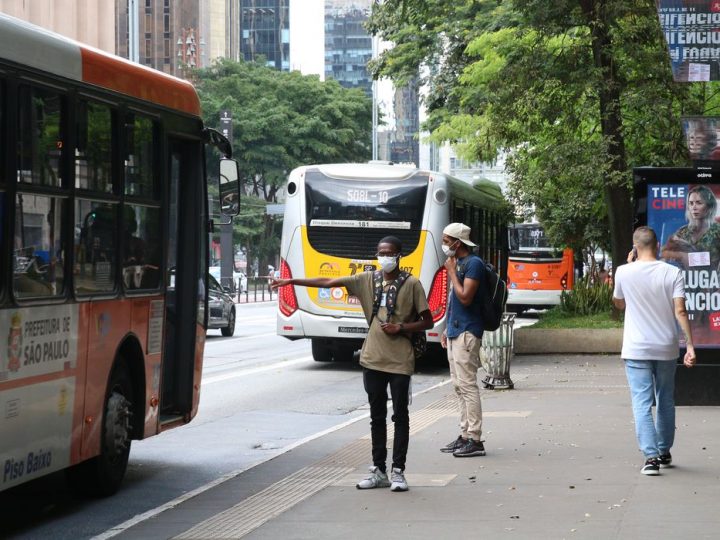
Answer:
(252, 512)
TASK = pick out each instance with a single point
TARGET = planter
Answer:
(529, 340)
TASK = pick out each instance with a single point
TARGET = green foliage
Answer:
(281, 120)
(580, 91)
(557, 318)
(587, 297)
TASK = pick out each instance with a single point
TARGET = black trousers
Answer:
(376, 383)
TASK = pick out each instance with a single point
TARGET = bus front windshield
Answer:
(529, 239)
(347, 217)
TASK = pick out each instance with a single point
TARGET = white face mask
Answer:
(388, 264)
(448, 251)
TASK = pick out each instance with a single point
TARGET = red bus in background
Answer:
(103, 234)
(537, 271)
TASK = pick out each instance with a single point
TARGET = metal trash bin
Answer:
(496, 353)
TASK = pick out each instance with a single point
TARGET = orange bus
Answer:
(537, 271)
(104, 231)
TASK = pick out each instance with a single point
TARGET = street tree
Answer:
(578, 91)
(281, 120)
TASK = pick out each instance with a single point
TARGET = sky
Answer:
(307, 40)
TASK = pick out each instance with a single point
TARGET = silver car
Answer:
(222, 308)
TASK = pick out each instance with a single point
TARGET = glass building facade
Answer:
(265, 32)
(405, 146)
(348, 46)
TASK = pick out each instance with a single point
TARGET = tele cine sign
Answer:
(670, 197)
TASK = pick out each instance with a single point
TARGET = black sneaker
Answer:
(451, 447)
(665, 460)
(651, 467)
(470, 448)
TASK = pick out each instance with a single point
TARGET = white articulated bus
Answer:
(336, 214)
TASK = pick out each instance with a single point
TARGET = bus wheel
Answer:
(320, 351)
(229, 330)
(102, 475)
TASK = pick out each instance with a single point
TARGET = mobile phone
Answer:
(634, 257)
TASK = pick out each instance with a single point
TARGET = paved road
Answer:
(261, 394)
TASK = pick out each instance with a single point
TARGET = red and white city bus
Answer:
(103, 229)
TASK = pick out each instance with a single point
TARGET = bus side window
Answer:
(38, 261)
(39, 142)
(95, 246)
(142, 247)
(139, 173)
(93, 151)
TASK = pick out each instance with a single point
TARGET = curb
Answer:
(529, 340)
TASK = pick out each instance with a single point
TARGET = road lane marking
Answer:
(122, 527)
(237, 338)
(253, 371)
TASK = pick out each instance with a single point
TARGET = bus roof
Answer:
(370, 171)
(483, 191)
(36, 47)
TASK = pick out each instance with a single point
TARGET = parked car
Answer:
(222, 308)
(238, 277)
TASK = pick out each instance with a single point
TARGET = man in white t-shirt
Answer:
(653, 294)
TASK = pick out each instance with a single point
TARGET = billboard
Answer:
(702, 136)
(684, 215)
(692, 32)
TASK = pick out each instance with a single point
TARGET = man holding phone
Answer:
(653, 294)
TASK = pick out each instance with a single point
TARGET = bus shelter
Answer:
(661, 199)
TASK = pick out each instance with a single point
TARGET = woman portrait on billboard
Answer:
(702, 232)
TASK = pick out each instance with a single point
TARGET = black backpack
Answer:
(417, 339)
(494, 299)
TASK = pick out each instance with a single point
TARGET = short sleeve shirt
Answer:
(709, 241)
(648, 288)
(381, 351)
(467, 318)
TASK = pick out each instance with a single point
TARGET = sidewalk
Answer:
(562, 462)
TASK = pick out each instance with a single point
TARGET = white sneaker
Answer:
(398, 480)
(376, 479)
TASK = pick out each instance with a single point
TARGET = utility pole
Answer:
(227, 251)
(375, 47)
(133, 32)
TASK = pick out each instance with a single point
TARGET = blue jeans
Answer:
(648, 380)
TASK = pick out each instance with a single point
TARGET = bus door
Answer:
(185, 294)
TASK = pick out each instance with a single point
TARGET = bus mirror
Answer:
(229, 187)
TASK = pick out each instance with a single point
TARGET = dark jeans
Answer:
(376, 383)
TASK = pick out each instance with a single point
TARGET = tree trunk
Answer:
(617, 191)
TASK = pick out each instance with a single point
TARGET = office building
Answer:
(88, 21)
(265, 32)
(170, 34)
(348, 46)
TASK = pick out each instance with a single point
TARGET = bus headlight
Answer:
(287, 301)
(437, 299)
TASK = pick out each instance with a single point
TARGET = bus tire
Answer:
(102, 475)
(320, 351)
(229, 330)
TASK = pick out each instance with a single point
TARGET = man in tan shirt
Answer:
(387, 355)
